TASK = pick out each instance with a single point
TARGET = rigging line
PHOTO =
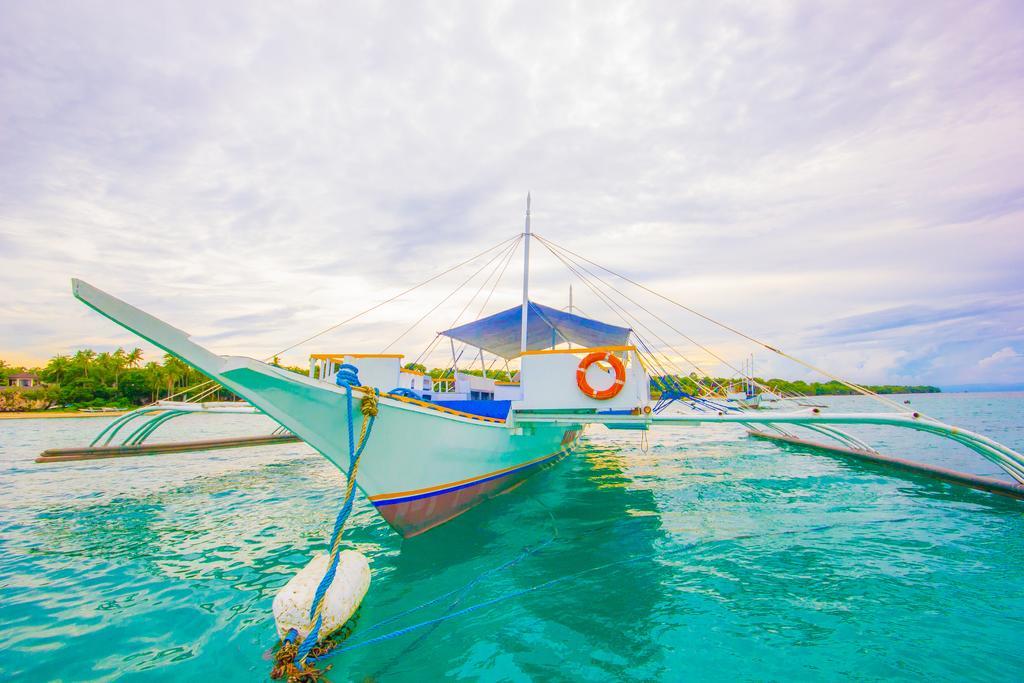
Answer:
(430, 348)
(489, 295)
(544, 318)
(645, 351)
(183, 391)
(483, 306)
(449, 296)
(665, 363)
(626, 317)
(436, 340)
(674, 379)
(508, 259)
(692, 341)
(487, 301)
(664, 322)
(856, 387)
(454, 369)
(400, 294)
(433, 345)
(629, 320)
(669, 325)
(204, 394)
(495, 285)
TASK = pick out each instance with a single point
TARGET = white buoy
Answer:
(351, 581)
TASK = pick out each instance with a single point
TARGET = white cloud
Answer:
(999, 357)
(255, 175)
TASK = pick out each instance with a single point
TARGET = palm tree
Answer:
(119, 360)
(134, 358)
(82, 359)
(154, 378)
(174, 370)
(56, 370)
(105, 366)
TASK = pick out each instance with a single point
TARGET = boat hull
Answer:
(413, 512)
(422, 465)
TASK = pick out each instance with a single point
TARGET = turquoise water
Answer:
(710, 556)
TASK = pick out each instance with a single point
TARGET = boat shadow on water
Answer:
(555, 544)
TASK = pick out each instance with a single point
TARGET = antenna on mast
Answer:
(526, 278)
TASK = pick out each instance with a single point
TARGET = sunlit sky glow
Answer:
(842, 179)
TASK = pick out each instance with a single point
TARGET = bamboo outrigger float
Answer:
(132, 430)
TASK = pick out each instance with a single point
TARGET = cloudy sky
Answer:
(842, 179)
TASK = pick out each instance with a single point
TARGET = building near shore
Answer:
(23, 380)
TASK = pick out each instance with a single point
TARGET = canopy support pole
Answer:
(526, 278)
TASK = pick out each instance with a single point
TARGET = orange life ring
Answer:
(620, 375)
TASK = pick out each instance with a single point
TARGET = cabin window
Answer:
(481, 395)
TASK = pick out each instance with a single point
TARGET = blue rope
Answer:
(348, 376)
(407, 393)
(569, 577)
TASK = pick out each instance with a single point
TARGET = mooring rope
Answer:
(565, 578)
(348, 377)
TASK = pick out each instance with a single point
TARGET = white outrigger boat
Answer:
(429, 449)
(440, 448)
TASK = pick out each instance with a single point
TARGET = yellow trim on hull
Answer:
(441, 409)
(336, 356)
(417, 492)
(590, 350)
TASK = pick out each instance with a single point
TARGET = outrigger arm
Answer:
(1006, 458)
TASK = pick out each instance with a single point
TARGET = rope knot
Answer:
(369, 405)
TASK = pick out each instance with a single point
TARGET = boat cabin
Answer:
(568, 362)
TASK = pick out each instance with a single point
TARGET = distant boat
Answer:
(742, 399)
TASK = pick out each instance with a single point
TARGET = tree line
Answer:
(695, 385)
(123, 379)
(88, 379)
(713, 386)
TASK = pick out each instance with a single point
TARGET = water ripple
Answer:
(709, 555)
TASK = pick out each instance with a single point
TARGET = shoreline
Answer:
(50, 414)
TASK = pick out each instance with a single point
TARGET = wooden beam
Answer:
(100, 452)
(973, 481)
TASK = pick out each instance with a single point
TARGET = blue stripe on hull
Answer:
(430, 494)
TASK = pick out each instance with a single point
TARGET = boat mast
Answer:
(570, 306)
(570, 298)
(526, 277)
(753, 385)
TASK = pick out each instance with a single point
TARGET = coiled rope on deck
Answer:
(347, 377)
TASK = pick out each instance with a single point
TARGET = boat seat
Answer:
(483, 408)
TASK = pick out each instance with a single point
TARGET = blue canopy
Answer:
(546, 327)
